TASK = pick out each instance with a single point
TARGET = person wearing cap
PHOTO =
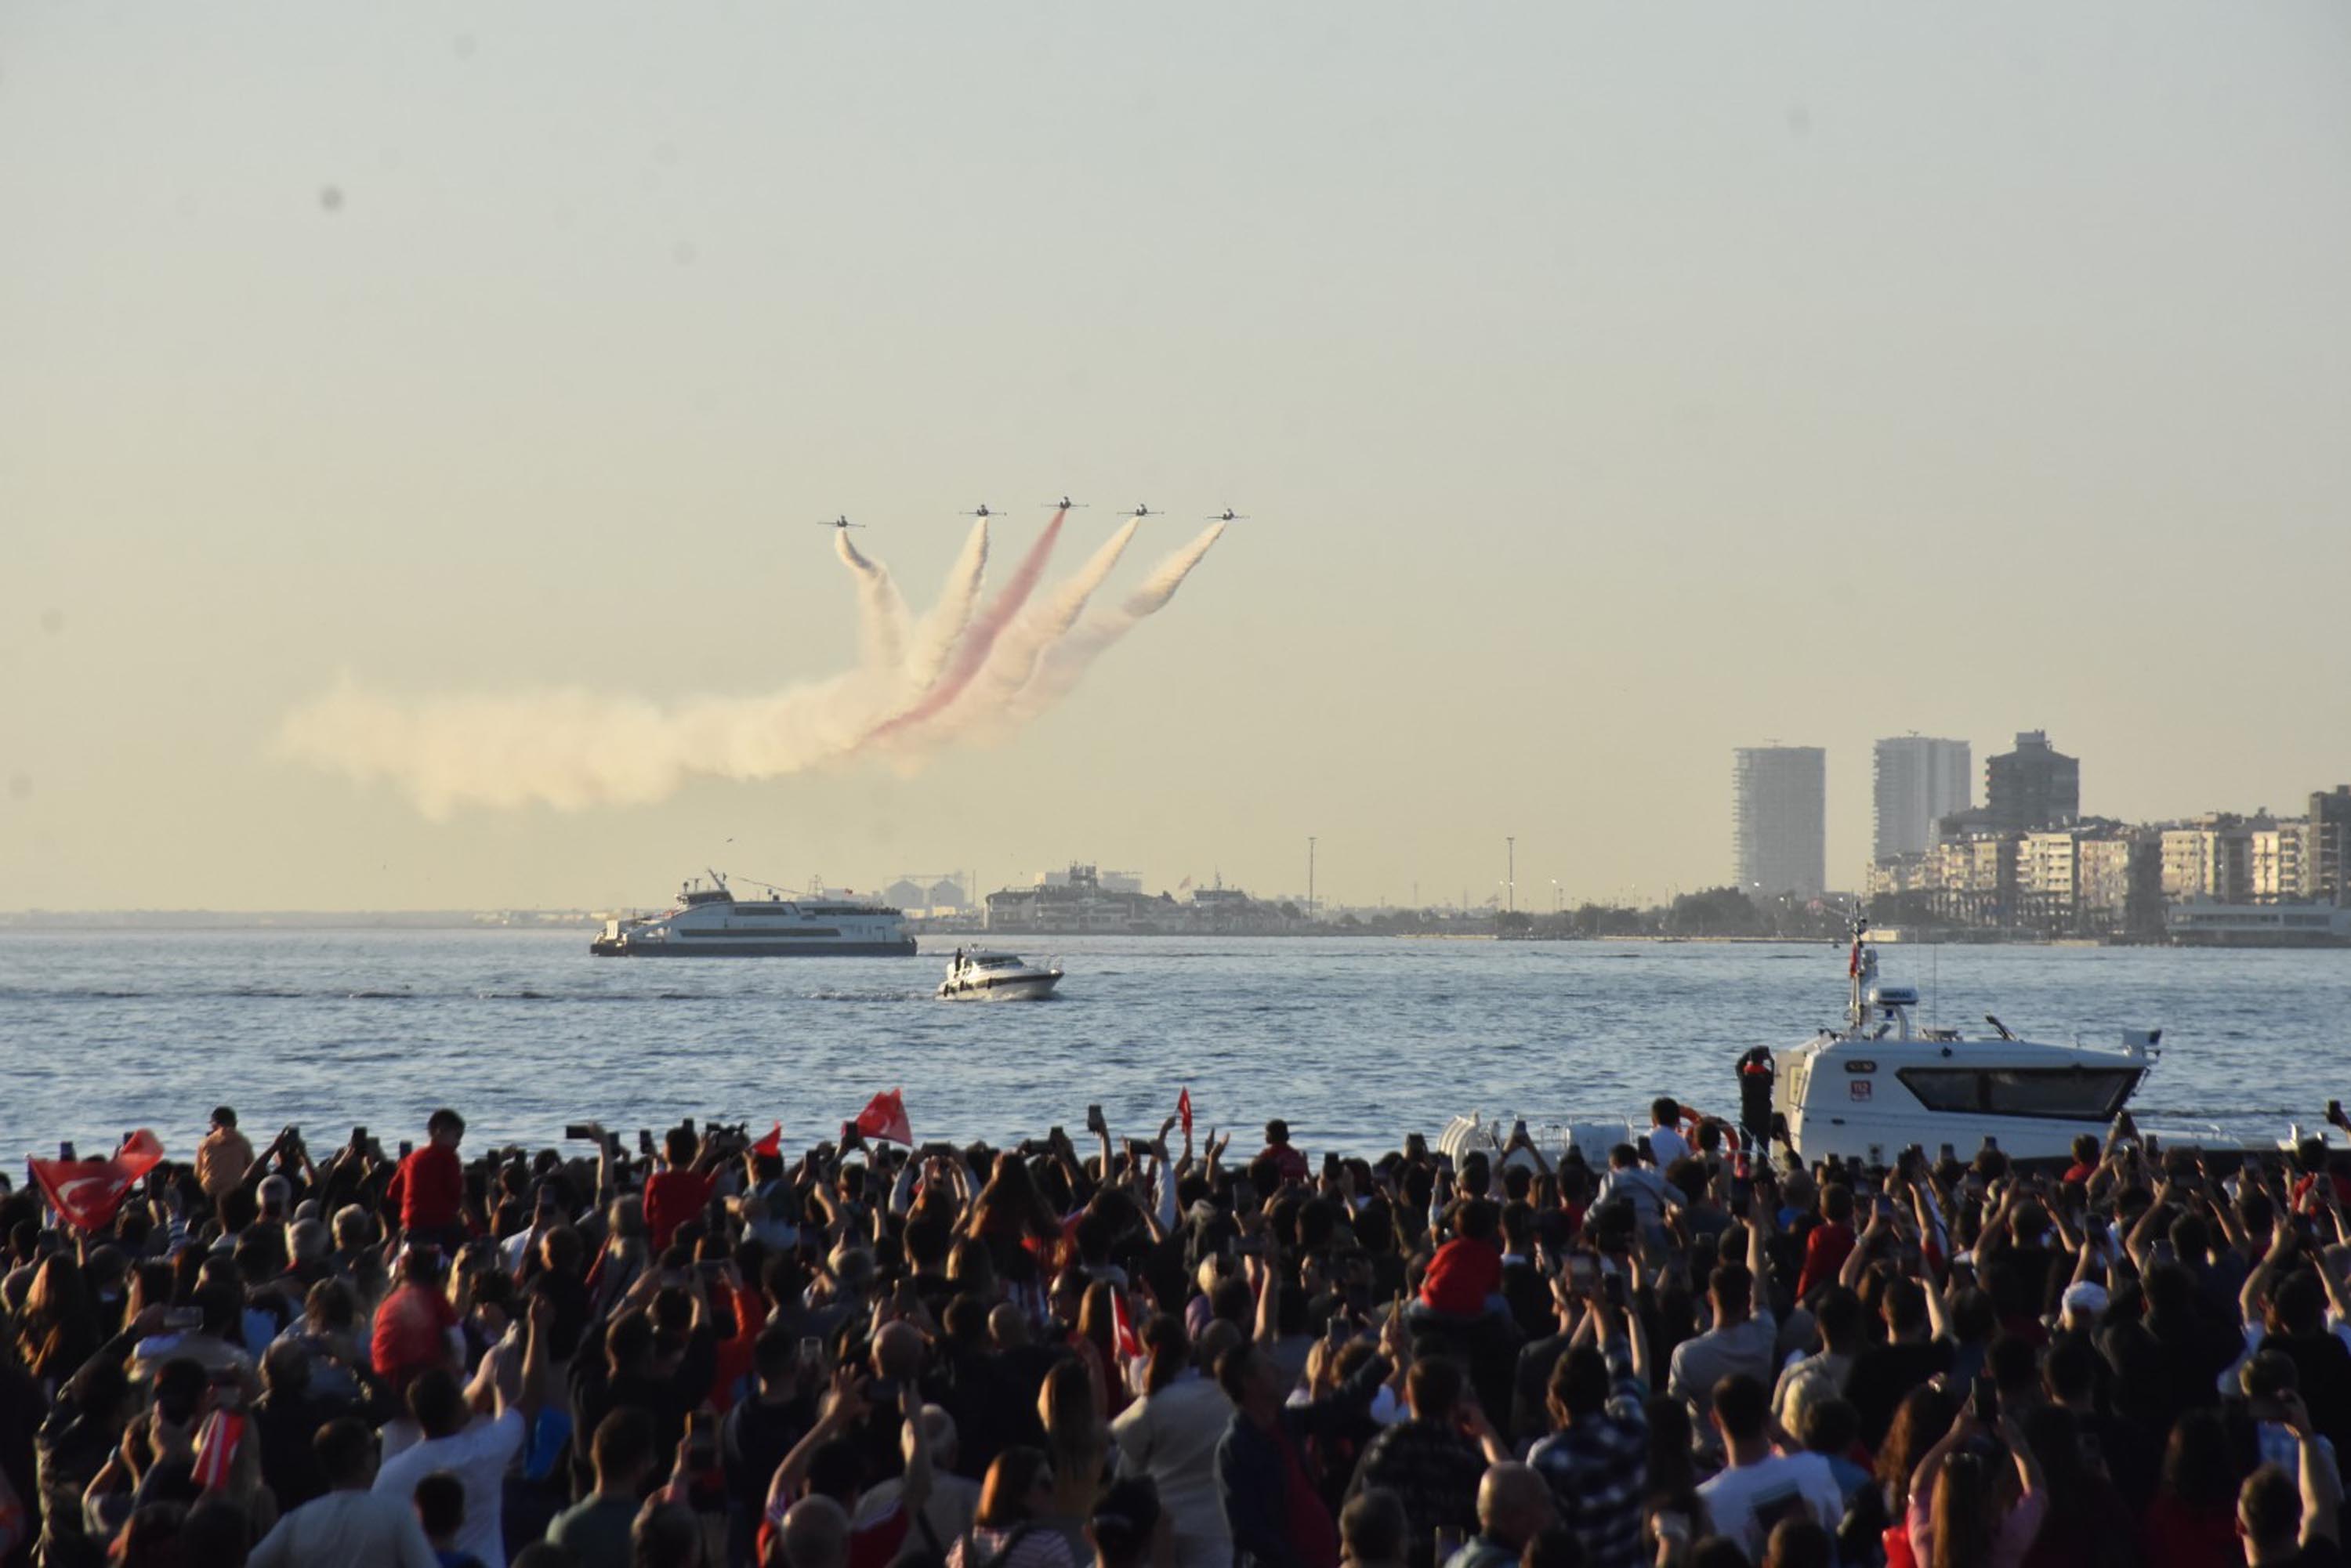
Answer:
(223, 1156)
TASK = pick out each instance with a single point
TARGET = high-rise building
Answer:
(2326, 856)
(1779, 816)
(1918, 782)
(2032, 788)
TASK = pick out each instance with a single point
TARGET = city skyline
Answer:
(1588, 381)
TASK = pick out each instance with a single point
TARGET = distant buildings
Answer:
(1918, 782)
(1778, 815)
(2034, 787)
(1081, 900)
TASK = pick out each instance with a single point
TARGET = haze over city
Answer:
(1605, 390)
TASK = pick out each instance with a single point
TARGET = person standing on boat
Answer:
(1667, 1143)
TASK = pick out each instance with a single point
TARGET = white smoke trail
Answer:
(1016, 653)
(880, 611)
(936, 634)
(1065, 663)
(571, 749)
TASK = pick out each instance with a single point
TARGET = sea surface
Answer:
(1355, 1042)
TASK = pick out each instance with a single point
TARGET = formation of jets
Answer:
(984, 511)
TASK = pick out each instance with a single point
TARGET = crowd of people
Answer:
(704, 1348)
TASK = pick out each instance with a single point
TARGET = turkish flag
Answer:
(885, 1117)
(87, 1193)
(1183, 1109)
(216, 1445)
(1130, 1344)
(773, 1143)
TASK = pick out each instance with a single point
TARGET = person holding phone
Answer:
(1597, 1461)
(1956, 1516)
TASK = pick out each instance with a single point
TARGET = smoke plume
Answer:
(951, 676)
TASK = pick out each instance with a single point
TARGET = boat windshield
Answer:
(2071, 1093)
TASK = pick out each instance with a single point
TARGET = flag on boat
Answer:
(87, 1193)
(885, 1117)
(1183, 1109)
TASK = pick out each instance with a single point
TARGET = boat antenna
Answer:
(1935, 986)
(1855, 1015)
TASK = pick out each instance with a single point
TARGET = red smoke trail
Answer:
(985, 627)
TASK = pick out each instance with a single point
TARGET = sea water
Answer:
(1355, 1041)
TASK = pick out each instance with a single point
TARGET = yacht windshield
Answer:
(2072, 1093)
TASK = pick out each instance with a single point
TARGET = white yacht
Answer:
(980, 976)
(1882, 1082)
(712, 922)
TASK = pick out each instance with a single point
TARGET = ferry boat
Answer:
(712, 922)
(978, 976)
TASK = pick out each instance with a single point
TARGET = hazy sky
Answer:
(1609, 387)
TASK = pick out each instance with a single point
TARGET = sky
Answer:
(1607, 387)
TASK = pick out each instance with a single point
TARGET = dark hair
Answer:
(1553, 1546)
(1004, 1493)
(1169, 1348)
(1798, 1542)
(1233, 1370)
(344, 1446)
(1277, 1131)
(837, 1470)
(225, 1117)
(1580, 1381)
(624, 1439)
(438, 1402)
(445, 1119)
(1831, 1427)
(1373, 1525)
(2197, 1465)
(441, 1504)
(2269, 1506)
(1741, 1405)
(1123, 1518)
(1434, 1385)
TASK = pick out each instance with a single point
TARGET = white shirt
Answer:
(1745, 1503)
(479, 1456)
(348, 1530)
(1668, 1146)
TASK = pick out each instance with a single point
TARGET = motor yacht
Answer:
(1882, 1082)
(978, 976)
(712, 922)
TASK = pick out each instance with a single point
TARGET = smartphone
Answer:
(1612, 1287)
(812, 1352)
(1949, 1153)
(646, 1141)
(66, 1151)
(406, 1148)
(1338, 1331)
(686, 1121)
(359, 1137)
(1583, 1273)
(577, 1130)
(1984, 1400)
(1094, 1123)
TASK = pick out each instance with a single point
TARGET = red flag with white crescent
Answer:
(773, 1143)
(1183, 1109)
(1130, 1344)
(87, 1193)
(885, 1117)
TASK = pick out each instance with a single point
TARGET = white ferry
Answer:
(712, 922)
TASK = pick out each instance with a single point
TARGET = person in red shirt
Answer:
(413, 1326)
(680, 1191)
(428, 1190)
(2085, 1161)
(1831, 1241)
